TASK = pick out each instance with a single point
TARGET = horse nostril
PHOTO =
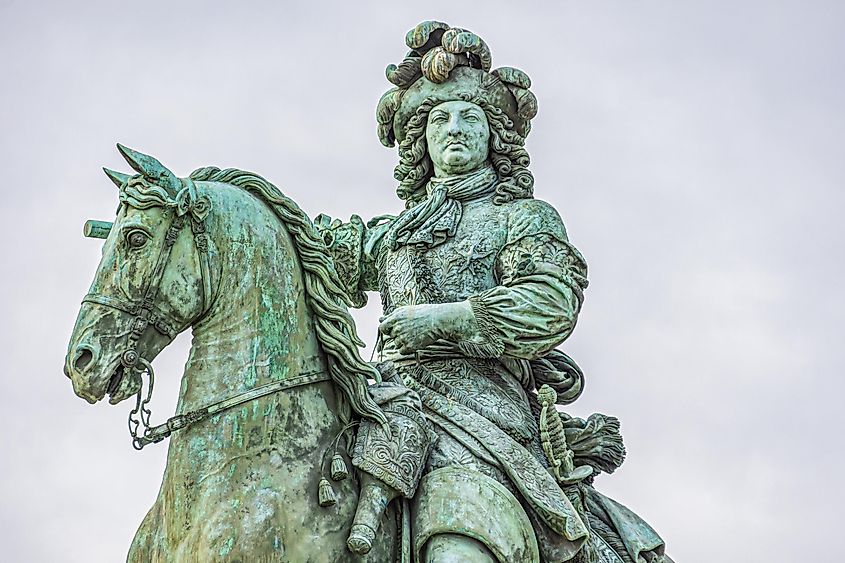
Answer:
(83, 358)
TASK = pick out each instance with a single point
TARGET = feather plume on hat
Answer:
(446, 64)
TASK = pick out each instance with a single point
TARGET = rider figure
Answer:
(479, 284)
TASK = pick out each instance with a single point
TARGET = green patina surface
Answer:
(461, 419)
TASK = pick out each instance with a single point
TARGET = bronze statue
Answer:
(459, 450)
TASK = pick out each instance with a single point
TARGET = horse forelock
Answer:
(142, 194)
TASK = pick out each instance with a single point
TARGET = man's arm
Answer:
(532, 310)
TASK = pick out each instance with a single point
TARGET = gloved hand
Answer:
(414, 327)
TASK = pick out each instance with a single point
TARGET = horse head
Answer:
(153, 281)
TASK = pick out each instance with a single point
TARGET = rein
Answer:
(155, 434)
(146, 314)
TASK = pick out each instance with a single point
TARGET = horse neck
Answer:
(259, 329)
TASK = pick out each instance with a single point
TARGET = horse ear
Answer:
(151, 168)
(119, 178)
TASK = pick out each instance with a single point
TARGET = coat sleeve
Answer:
(354, 247)
(541, 278)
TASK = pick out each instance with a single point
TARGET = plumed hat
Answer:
(447, 63)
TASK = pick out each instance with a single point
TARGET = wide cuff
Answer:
(344, 242)
(489, 344)
(396, 453)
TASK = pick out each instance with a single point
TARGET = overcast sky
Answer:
(694, 150)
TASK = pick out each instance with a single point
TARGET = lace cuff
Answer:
(489, 345)
(345, 242)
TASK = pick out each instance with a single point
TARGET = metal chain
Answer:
(139, 417)
(146, 314)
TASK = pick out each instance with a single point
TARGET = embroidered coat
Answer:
(524, 281)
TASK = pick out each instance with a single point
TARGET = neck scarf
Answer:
(436, 219)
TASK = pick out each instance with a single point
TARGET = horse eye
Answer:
(137, 239)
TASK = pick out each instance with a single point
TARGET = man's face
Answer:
(457, 134)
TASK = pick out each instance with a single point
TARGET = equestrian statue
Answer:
(286, 445)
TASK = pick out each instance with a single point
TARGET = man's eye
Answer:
(137, 238)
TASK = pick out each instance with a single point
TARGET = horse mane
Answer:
(334, 325)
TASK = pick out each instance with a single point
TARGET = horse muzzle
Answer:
(92, 379)
(81, 365)
(123, 384)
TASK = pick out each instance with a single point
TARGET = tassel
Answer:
(339, 469)
(327, 496)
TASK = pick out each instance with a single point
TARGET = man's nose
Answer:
(453, 127)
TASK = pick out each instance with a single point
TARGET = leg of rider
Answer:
(455, 548)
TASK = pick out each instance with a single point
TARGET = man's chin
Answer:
(463, 167)
(457, 162)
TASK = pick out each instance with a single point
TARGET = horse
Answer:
(273, 380)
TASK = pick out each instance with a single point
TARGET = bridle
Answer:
(144, 311)
(193, 211)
